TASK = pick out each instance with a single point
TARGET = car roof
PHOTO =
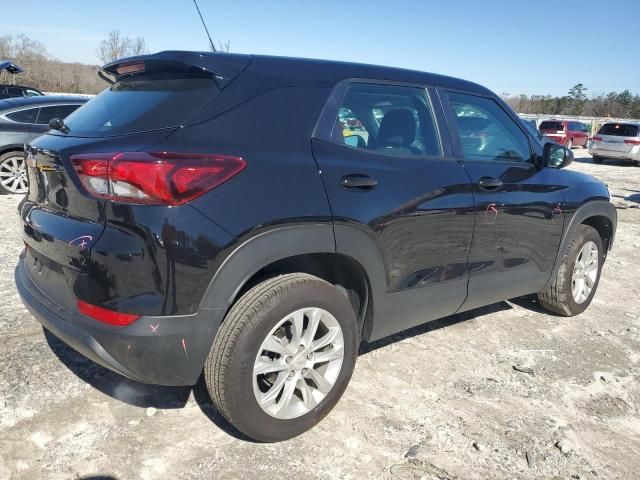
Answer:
(15, 102)
(305, 71)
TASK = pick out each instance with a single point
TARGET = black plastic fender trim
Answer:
(593, 208)
(261, 250)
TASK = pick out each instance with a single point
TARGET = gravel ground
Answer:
(442, 401)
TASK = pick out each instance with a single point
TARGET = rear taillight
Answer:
(632, 142)
(596, 139)
(104, 315)
(154, 178)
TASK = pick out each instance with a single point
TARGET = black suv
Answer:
(254, 218)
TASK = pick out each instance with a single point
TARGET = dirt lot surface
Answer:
(439, 402)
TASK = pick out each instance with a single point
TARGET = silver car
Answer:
(619, 141)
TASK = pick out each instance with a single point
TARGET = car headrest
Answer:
(397, 129)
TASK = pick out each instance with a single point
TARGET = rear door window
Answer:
(387, 119)
(143, 102)
(619, 130)
(24, 116)
(486, 131)
(55, 111)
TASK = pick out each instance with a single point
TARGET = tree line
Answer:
(613, 104)
(49, 74)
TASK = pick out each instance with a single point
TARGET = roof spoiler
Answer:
(10, 67)
(223, 66)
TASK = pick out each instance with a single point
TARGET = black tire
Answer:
(636, 163)
(597, 159)
(228, 370)
(558, 297)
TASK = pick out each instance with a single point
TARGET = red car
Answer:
(566, 132)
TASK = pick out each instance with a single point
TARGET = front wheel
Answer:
(569, 144)
(575, 284)
(13, 174)
(282, 357)
(597, 159)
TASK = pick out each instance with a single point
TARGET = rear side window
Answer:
(387, 119)
(619, 130)
(142, 102)
(549, 125)
(486, 131)
(24, 116)
(55, 111)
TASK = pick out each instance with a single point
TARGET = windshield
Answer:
(143, 102)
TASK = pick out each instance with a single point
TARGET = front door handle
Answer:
(358, 180)
(489, 183)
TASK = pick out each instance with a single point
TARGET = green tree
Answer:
(577, 99)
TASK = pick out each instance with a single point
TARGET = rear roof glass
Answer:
(619, 130)
(143, 102)
(549, 125)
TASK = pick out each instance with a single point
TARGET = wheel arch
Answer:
(599, 214)
(302, 248)
(11, 148)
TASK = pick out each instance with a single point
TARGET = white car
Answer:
(619, 141)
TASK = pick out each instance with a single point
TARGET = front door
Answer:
(519, 220)
(389, 172)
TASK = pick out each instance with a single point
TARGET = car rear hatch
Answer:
(149, 98)
(617, 137)
(552, 129)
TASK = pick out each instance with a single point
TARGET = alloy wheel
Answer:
(298, 363)
(585, 272)
(13, 174)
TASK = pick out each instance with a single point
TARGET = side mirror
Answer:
(556, 156)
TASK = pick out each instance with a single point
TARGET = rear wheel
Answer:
(597, 159)
(13, 174)
(569, 144)
(282, 357)
(577, 279)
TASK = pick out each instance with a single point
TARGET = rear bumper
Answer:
(167, 350)
(561, 139)
(600, 152)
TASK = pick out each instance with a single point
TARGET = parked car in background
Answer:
(22, 120)
(566, 132)
(10, 91)
(530, 125)
(207, 217)
(7, 91)
(619, 141)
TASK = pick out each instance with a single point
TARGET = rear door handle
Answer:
(358, 180)
(489, 183)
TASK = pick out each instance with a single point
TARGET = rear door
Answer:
(389, 172)
(518, 219)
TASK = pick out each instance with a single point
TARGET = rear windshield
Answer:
(551, 126)
(619, 130)
(142, 102)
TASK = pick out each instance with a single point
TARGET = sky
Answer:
(515, 47)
